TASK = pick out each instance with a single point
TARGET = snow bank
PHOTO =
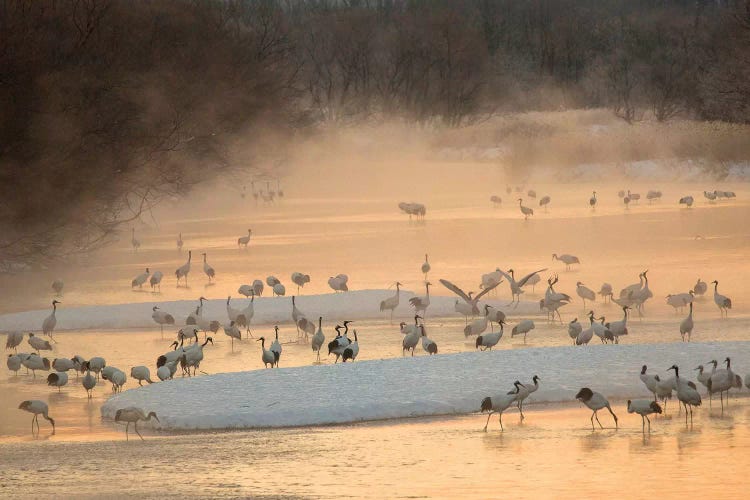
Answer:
(364, 304)
(409, 387)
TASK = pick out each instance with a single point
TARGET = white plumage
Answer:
(352, 350)
(700, 287)
(300, 280)
(184, 270)
(498, 404)
(155, 280)
(14, 363)
(139, 280)
(161, 318)
(246, 290)
(268, 357)
(425, 266)
(49, 323)
(524, 391)
(644, 408)
(686, 393)
(232, 332)
(57, 379)
(391, 303)
(13, 340)
(595, 401)
(619, 328)
(62, 364)
(36, 407)
(686, 325)
(574, 329)
(210, 272)
(411, 339)
(566, 259)
(723, 302)
(585, 293)
(420, 304)
(523, 328)
(478, 326)
(339, 283)
(131, 415)
(39, 344)
(141, 374)
(428, 345)
(318, 339)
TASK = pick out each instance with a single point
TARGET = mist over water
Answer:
(339, 214)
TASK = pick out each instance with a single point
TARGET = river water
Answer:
(553, 453)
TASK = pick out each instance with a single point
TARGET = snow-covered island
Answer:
(410, 387)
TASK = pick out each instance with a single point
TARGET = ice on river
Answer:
(409, 387)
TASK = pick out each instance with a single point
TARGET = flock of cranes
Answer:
(686, 391)
(627, 197)
(187, 351)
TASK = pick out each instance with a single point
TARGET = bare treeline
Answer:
(106, 106)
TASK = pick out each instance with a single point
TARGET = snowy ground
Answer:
(409, 387)
(364, 304)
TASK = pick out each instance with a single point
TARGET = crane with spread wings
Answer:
(516, 286)
(472, 301)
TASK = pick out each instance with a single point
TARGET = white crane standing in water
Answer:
(139, 280)
(183, 270)
(585, 293)
(526, 211)
(421, 304)
(36, 408)
(566, 259)
(48, 326)
(208, 269)
(686, 326)
(723, 302)
(595, 401)
(425, 267)
(498, 404)
(391, 303)
(132, 415)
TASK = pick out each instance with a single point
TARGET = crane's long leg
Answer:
(136, 430)
(592, 421)
(649, 423)
(597, 421)
(501, 422)
(127, 426)
(643, 424)
(488, 421)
